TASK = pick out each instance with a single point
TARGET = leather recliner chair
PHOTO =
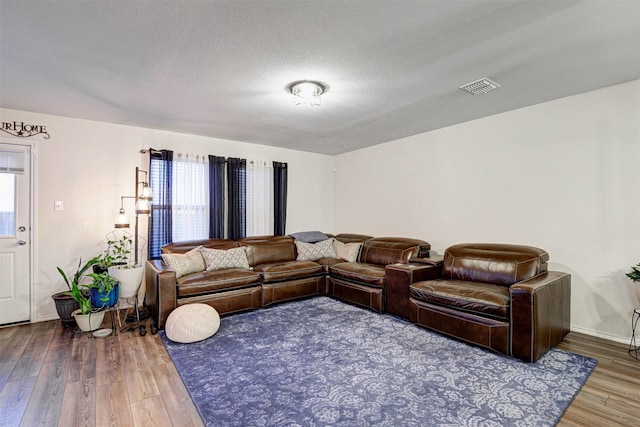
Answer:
(497, 296)
(363, 282)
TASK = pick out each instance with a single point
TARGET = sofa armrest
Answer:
(161, 296)
(540, 314)
(398, 278)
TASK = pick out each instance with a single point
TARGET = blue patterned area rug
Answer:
(320, 362)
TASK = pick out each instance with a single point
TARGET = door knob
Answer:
(22, 242)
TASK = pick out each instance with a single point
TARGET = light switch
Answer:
(58, 205)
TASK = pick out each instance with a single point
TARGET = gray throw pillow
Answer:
(309, 236)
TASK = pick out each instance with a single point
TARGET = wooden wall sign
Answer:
(24, 130)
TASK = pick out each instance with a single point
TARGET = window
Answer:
(160, 220)
(11, 163)
(259, 198)
(190, 189)
(192, 195)
(7, 204)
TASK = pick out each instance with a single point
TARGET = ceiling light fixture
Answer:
(307, 91)
(480, 86)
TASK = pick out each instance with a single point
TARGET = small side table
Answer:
(634, 348)
(399, 278)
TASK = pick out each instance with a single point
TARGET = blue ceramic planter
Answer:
(101, 300)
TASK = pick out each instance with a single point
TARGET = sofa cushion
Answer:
(187, 263)
(484, 299)
(275, 272)
(499, 264)
(352, 238)
(314, 251)
(222, 259)
(391, 250)
(371, 274)
(217, 280)
(183, 247)
(328, 262)
(347, 251)
(268, 249)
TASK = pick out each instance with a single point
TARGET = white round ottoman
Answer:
(192, 322)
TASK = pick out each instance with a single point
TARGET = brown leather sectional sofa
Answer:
(276, 275)
(497, 296)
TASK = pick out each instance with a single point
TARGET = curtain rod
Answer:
(147, 150)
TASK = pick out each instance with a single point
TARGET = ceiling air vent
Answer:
(482, 85)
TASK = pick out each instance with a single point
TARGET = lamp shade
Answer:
(143, 207)
(122, 221)
(146, 192)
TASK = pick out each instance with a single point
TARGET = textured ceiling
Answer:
(219, 68)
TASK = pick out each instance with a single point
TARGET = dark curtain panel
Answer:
(216, 197)
(236, 198)
(279, 198)
(160, 175)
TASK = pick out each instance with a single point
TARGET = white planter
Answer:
(129, 278)
(636, 287)
(88, 322)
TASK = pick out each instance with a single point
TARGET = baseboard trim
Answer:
(46, 319)
(593, 333)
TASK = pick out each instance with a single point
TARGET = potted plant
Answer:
(85, 316)
(119, 261)
(65, 303)
(103, 290)
(118, 252)
(634, 275)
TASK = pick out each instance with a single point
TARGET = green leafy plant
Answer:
(118, 253)
(103, 283)
(77, 291)
(634, 274)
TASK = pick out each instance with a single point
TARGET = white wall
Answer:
(562, 176)
(89, 165)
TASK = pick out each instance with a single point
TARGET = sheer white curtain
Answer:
(190, 187)
(259, 198)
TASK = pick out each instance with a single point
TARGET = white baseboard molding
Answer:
(616, 338)
(47, 318)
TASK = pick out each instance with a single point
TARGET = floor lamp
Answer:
(143, 197)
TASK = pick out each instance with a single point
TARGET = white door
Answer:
(15, 233)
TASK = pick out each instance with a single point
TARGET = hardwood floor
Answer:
(611, 395)
(52, 376)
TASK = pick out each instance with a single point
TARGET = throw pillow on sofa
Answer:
(315, 251)
(187, 263)
(309, 236)
(222, 259)
(347, 251)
